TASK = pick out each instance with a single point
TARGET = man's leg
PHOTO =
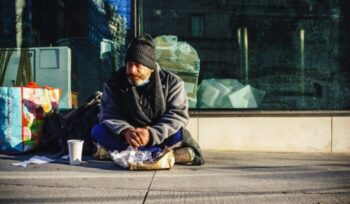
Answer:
(188, 141)
(104, 136)
(173, 139)
(182, 154)
(169, 142)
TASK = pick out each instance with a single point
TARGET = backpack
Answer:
(54, 134)
(77, 124)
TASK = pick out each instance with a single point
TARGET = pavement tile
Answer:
(227, 177)
(259, 172)
(42, 194)
(171, 197)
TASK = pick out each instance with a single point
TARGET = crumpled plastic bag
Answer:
(164, 161)
(34, 160)
(142, 160)
(130, 155)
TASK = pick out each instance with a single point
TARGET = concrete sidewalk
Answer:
(228, 177)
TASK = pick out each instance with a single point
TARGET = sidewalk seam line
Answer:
(331, 134)
(149, 187)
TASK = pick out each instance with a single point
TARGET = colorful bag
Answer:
(22, 111)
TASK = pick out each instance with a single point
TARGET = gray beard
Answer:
(139, 83)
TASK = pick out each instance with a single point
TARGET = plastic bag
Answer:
(164, 161)
(130, 155)
(142, 160)
(176, 56)
(22, 111)
(181, 59)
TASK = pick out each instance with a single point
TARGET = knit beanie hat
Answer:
(142, 50)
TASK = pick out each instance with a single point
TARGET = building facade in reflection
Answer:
(80, 24)
(295, 51)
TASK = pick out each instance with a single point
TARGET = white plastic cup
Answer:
(75, 148)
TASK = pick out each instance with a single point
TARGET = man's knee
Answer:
(97, 130)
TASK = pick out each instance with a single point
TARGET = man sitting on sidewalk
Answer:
(145, 107)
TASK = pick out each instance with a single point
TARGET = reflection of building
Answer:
(15, 23)
(49, 22)
(53, 20)
(105, 22)
(95, 19)
(290, 49)
(79, 24)
(295, 50)
(7, 23)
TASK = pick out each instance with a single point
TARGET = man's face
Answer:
(137, 73)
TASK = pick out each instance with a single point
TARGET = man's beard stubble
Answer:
(135, 79)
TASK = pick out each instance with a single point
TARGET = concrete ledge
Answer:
(273, 134)
(341, 134)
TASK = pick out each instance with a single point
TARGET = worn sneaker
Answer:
(184, 155)
(101, 153)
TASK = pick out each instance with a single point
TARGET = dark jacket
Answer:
(176, 116)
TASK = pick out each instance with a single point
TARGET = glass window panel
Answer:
(197, 25)
(264, 55)
(96, 31)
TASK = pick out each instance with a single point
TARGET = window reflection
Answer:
(197, 25)
(268, 55)
(96, 31)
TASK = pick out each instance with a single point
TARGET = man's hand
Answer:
(137, 137)
(131, 137)
(143, 134)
